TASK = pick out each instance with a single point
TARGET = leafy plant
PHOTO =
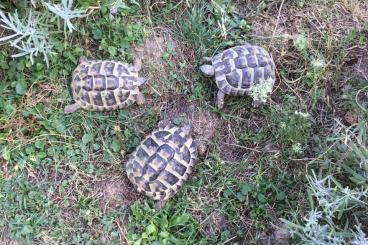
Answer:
(340, 190)
(290, 126)
(198, 30)
(28, 36)
(65, 11)
(150, 227)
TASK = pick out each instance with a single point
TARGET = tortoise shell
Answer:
(99, 85)
(239, 68)
(162, 162)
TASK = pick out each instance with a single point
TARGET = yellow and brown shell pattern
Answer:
(99, 85)
(162, 162)
(238, 68)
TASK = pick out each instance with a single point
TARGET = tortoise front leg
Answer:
(220, 99)
(206, 60)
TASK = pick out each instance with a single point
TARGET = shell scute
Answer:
(85, 97)
(229, 54)
(170, 178)
(252, 60)
(241, 51)
(262, 60)
(87, 83)
(234, 78)
(151, 144)
(178, 167)
(122, 70)
(258, 75)
(99, 82)
(95, 68)
(123, 95)
(109, 68)
(240, 62)
(110, 98)
(224, 67)
(112, 82)
(97, 99)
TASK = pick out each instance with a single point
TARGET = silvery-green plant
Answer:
(334, 201)
(332, 197)
(316, 230)
(65, 11)
(33, 2)
(27, 36)
(360, 238)
(261, 91)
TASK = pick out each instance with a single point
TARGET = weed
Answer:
(340, 190)
(28, 36)
(290, 126)
(104, 31)
(147, 226)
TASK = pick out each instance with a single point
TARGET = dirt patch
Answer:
(212, 224)
(277, 235)
(215, 224)
(165, 58)
(204, 123)
(115, 192)
(5, 172)
(356, 65)
(231, 146)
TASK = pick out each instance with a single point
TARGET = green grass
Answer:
(62, 177)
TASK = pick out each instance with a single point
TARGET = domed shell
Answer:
(162, 162)
(105, 85)
(239, 68)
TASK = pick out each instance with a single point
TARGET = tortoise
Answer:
(104, 85)
(238, 70)
(162, 162)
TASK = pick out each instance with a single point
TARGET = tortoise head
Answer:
(207, 70)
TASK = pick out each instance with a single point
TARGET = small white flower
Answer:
(297, 148)
(302, 114)
(318, 64)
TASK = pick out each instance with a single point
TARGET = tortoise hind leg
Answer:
(256, 103)
(83, 59)
(71, 108)
(220, 99)
(140, 98)
(160, 204)
(137, 64)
